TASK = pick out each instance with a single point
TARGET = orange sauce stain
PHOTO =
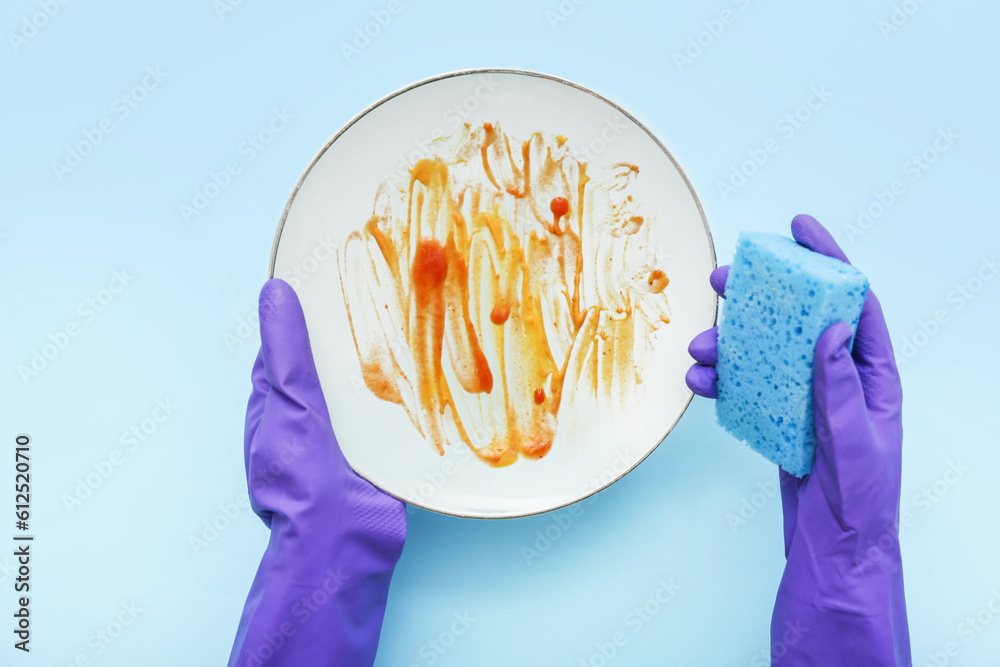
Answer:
(430, 268)
(457, 260)
(657, 281)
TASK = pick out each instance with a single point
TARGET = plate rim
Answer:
(581, 88)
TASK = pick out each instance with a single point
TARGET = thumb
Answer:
(285, 349)
(845, 441)
(289, 455)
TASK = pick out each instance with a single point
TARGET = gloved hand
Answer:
(840, 601)
(320, 591)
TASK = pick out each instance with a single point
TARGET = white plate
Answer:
(592, 440)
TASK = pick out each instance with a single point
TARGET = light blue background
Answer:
(164, 336)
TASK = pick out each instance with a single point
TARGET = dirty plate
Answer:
(500, 272)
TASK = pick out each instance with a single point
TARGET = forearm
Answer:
(308, 595)
(841, 621)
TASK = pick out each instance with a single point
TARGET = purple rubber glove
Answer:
(319, 594)
(840, 601)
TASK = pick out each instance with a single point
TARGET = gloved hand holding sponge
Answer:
(795, 381)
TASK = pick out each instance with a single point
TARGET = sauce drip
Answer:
(539, 396)
(499, 314)
(559, 208)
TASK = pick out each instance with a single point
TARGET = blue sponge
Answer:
(780, 297)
